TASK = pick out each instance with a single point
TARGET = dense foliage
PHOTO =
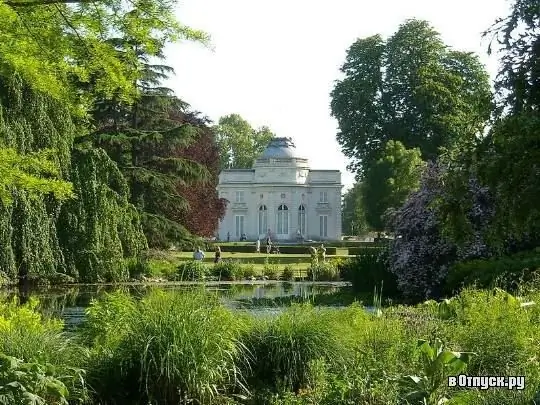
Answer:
(420, 254)
(389, 181)
(57, 46)
(239, 143)
(184, 347)
(38, 244)
(90, 153)
(353, 217)
(507, 271)
(507, 160)
(147, 140)
(410, 88)
(206, 208)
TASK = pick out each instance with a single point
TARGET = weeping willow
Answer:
(99, 228)
(42, 238)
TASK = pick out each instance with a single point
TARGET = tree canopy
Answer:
(57, 44)
(507, 159)
(239, 143)
(510, 156)
(353, 216)
(410, 88)
(389, 181)
(148, 139)
(80, 104)
(36, 173)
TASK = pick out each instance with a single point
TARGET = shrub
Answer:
(164, 268)
(358, 251)
(283, 347)
(228, 270)
(240, 248)
(369, 271)
(248, 270)
(288, 249)
(138, 267)
(192, 270)
(304, 250)
(36, 353)
(420, 255)
(103, 317)
(173, 348)
(323, 271)
(271, 270)
(497, 329)
(507, 272)
(287, 274)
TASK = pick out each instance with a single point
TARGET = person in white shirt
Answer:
(258, 246)
(198, 254)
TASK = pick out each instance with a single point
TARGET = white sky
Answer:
(275, 62)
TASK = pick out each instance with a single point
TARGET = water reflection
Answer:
(70, 302)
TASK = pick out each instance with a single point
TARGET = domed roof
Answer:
(280, 148)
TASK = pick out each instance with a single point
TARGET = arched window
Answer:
(302, 219)
(283, 220)
(263, 219)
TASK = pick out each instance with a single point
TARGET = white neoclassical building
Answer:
(281, 196)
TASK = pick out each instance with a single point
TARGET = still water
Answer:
(261, 298)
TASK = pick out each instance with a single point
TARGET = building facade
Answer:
(281, 197)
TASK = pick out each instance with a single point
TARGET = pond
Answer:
(261, 298)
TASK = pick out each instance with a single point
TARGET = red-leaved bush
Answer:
(420, 256)
(205, 206)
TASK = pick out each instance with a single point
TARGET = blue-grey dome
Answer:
(280, 148)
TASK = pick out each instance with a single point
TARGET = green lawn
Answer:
(259, 259)
(258, 256)
(298, 262)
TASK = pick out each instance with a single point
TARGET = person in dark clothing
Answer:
(268, 245)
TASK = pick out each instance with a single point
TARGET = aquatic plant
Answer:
(172, 348)
(437, 364)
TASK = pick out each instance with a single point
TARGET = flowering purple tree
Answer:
(422, 253)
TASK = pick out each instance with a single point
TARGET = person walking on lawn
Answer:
(258, 246)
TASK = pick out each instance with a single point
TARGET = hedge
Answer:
(237, 248)
(506, 272)
(360, 251)
(336, 244)
(370, 270)
(288, 249)
(297, 250)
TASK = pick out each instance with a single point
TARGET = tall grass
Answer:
(187, 348)
(171, 349)
(283, 347)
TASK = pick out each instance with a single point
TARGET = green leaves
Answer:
(353, 212)
(410, 88)
(56, 46)
(239, 143)
(389, 181)
(31, 383)
(437, 364)
(34, 173)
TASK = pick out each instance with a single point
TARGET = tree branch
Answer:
(44, 2)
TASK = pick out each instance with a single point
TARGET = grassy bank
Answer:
(179, 348)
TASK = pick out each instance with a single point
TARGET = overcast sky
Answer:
(275, 62)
